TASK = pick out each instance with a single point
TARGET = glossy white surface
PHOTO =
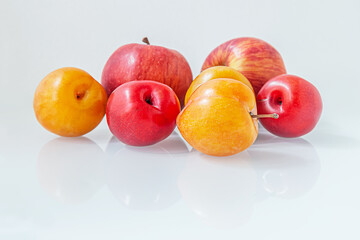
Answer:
(94, 187)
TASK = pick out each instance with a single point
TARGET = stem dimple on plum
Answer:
(80, 95)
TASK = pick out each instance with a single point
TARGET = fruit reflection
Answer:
(220, 191)
(70, 170)
(223, 192)
(289, 170)
(145, 178)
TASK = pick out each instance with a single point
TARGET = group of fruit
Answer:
(148, 85)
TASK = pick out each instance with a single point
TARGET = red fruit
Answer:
(147, 62)
(257, 60)
(141, 113)
(295, 100)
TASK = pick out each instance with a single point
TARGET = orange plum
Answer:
(217, 118)
(69, 102)
(214, 73)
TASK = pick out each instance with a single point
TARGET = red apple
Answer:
(295, 100)
(141, 113)
(254, 58)
(147, 62)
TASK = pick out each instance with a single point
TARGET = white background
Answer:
(96, 188)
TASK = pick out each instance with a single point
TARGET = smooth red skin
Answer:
(256, 59)
(134, 121)
(147, 62)
(300, 109)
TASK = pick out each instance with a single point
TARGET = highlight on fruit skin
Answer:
(69, 102)
(217, 118)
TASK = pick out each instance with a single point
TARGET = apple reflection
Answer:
(223, 191)
(145, 178)
(286, 168)
(70, 169)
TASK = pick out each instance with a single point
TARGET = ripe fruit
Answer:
(217, 120)
(289, 182)
(141, 113)
(213, 73)
(147, 62)
(254, 58)
(296, 101)
(69, 102)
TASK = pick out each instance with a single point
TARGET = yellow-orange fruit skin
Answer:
(214, 73)
(69, 102)
(217, 121)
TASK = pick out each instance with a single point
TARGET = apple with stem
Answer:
(134, 61)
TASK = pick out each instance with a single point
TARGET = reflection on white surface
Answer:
(144, 178)
(223, 191)
(70, 169)
(219, 190)
(286, 168)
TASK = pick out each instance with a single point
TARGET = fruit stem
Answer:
(271, 115)
(146, 40)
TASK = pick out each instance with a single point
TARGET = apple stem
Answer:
(271, 115)
(146, 40)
